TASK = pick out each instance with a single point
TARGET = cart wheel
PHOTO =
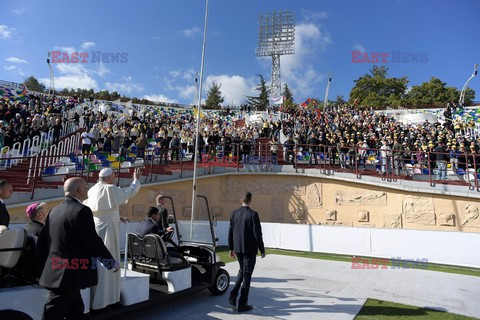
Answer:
(221, 283)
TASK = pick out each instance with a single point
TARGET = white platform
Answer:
(135, 287)
(31, 300)
(178, 280)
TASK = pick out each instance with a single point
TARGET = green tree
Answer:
(214, 96)
(377, 91)
(339, 101)
(469, 97)
(103, 95)
(114, 95)
(435, 93)
(33, 84)
(261, 102)
(287, 97)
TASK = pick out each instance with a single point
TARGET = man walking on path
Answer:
(244, 241)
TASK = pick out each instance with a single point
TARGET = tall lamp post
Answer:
(199, 108)
(462, 94)
(51, 90)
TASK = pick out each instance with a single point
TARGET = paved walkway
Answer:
(286, 287)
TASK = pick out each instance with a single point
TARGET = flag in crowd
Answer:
(12, 91)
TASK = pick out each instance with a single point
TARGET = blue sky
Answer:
(163, 40)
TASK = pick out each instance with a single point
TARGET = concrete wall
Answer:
(299, 199)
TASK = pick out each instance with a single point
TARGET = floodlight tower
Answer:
(51, 89)
(276, 37)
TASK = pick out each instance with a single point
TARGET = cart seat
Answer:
(150, 253)
(12, 242)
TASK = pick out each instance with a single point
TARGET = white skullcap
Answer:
(105, 172)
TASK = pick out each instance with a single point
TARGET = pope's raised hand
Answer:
(137, 174)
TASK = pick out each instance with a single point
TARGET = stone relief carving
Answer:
(187, 211)
(338, 223)
(393, 221)
(234, 186)
(446, 219)
(217, 211)
(314, 195)
(123, 210)
(139, 210)
(471, 216)
(278, 208)
(178, 196)
(419, 210)
(299, 214)
(331, 215)
(360, 197)
(363, 216)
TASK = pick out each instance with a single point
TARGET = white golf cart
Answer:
(160, 269)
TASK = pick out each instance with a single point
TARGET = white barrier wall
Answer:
(454, 248)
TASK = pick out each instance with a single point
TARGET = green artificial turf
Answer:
(384, 310)
(224, 256)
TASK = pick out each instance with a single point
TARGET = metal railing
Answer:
(65, 159)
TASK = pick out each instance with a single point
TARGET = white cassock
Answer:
(104, 200)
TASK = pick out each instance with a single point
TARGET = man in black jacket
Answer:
(244, 241)
(150, 225)
(6, 190)
(162, 221)
(68, 249)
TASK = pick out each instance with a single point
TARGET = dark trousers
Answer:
(244, 277)
(63, 303)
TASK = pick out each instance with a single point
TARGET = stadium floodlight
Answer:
(51, 89)
(276, 37)
(462, 94)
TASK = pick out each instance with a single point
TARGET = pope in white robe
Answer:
(104, 198)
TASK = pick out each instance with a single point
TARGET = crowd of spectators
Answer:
(343, 132)
(347, 132)
(33, 115)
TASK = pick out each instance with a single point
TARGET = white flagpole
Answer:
(197, 129)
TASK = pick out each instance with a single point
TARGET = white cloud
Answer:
(159, 98)
(175, 73)
(72, 76)
(297, 69)
(192, 32)
(187, 92)
(310, 16)
(15, 60)
(69, 50)
(101, 71)
(359, 47)
(15, 70)
(233, 87)
(21, 10)
(87, 44)
(128, 86)
(5, 31)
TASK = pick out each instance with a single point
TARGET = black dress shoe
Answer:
(245, 307)
(232, 301)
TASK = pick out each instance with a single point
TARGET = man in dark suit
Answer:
(162, 221)
(6, 190)
(244, 241)
(65, 247)
(150, 225)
